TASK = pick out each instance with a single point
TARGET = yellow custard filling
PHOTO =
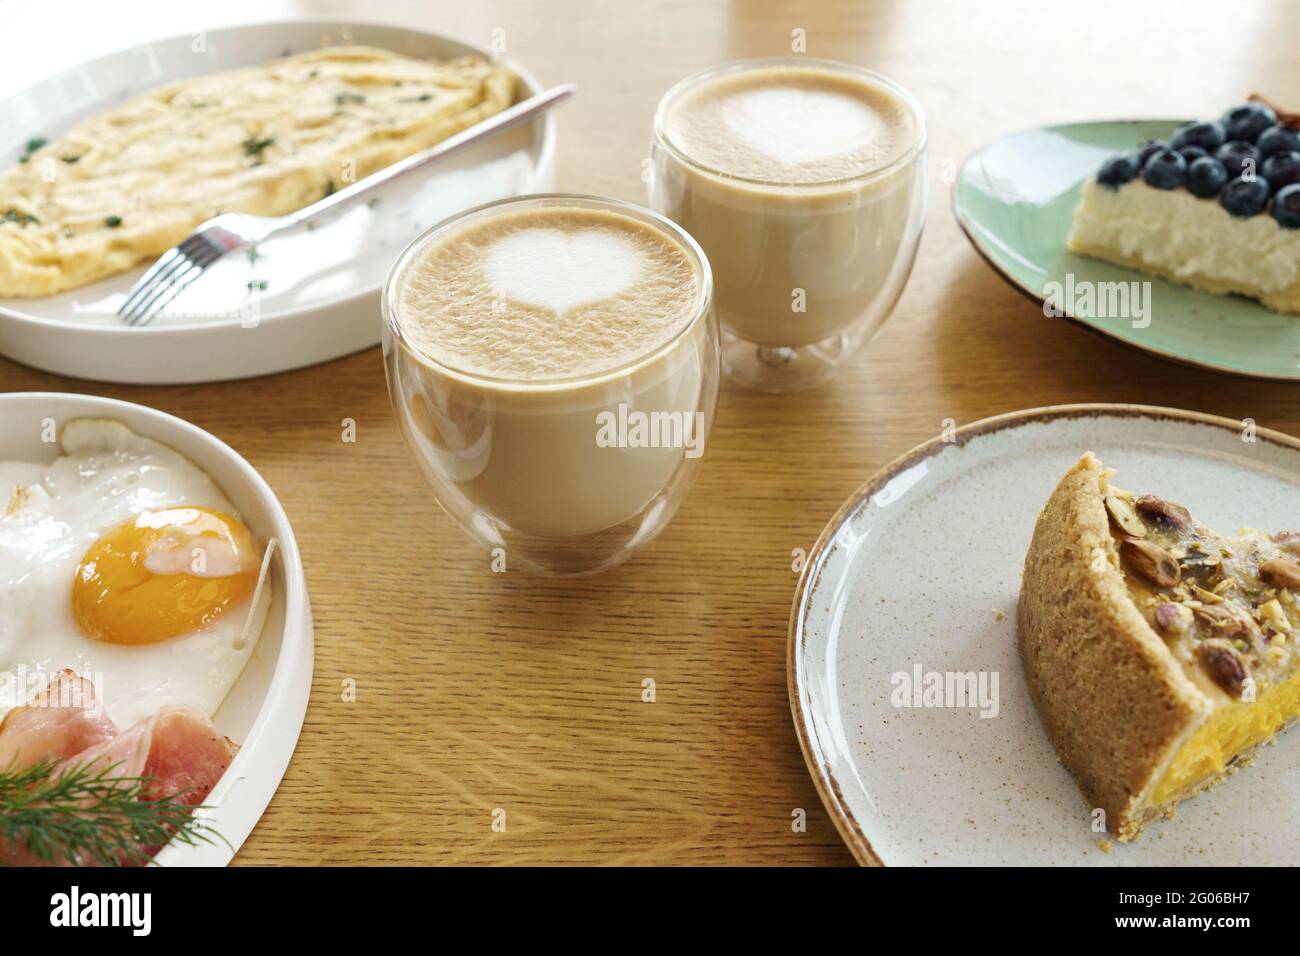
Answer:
(1227, 611)
(1233, 729)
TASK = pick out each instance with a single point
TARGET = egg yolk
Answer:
(162, 574)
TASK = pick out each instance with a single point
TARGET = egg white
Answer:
(106, 474)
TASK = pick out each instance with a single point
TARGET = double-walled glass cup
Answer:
(804, 272)
(567, 476)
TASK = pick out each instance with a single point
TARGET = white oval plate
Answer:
(922, 568)
(264, 710)
(322, 295)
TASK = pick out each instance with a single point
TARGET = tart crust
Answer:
(1115, 702)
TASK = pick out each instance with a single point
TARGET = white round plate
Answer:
(921, 569)
(321, 298)
(264, 710)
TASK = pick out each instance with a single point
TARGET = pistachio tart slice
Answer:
(1159, 653)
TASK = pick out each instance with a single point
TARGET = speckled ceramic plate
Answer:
(1015, 199)
(920, 571)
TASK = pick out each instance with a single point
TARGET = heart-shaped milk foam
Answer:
(801, 126)
(561, 270)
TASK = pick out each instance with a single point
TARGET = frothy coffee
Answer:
(548, 293)
(790, 124)
(805, 184)
(515, 334)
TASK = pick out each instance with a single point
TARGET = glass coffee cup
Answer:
(805, 183)
(553, 364)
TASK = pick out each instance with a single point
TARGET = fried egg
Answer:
(123, 561)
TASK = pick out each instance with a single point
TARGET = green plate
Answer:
(1015, 200)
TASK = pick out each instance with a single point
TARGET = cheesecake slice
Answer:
(1217, 207)
(1191, 241)
(1159, 653)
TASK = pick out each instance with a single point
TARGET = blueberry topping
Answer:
(1244, 158)
(1279, 139)
(1238, 157)
(1286, 207)
(1247, 121)
(1165, 169)
(1148, 149)
(1244, 198)
(1205, 177)
(1281, 169)
(1207, 135)
(1118, 170)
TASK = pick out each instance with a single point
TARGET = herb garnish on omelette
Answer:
(130, 183)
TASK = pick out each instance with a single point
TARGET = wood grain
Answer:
(478, 691)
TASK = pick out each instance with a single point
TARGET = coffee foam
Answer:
(559, 270)
(790, 125)
(549, 292)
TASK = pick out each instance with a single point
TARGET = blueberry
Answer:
(1244, 198)
(1279, 139)
(1191, 153)
(1238, 156)
(1205, 177)
(1118, 170)
(1247, 121)
(1281, 169)
(1149, 148)
(1286, 207)
(1207, 135)
(1165, 170)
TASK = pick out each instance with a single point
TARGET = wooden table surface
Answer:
(478, 691)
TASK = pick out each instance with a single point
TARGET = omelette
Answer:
(126, 185)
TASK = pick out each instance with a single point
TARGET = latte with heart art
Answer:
(791, 125)
(804, 182)
(553, 362)
(548, 293)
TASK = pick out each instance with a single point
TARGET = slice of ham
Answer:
(122, 756)
(125, 755)
(178, 748)
(59, 722)
(187, 756)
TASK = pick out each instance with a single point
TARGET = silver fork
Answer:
(179, 266)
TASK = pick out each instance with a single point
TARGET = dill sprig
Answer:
(84, 814)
